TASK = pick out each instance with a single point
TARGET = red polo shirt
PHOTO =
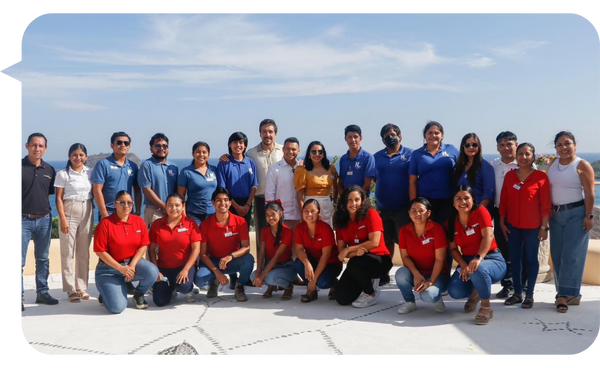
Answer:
(323, 238)
(469, 239)
(525, 204)
(421, 249)
(285, 239)
(226, 239)
(175, 245)
(358, 232)
(120, 239)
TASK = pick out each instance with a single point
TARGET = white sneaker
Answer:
(174, 294)
(439, 306)
(365, 300)
(376, 286)
(196, 290)
(190, 297)
(407, 307)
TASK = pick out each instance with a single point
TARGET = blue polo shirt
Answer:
(434, 172)
(199, 189)
(391, 191)
(355, 170)
(158, 176)
(485, 182)
(237, 176)
(115, 178)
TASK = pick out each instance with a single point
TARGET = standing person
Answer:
(525, 208)
(198, 181)
(357, 166)
(430, 172)
(423, 247)
(158, 179)
(225, 248)
(120, 241)
(391, 190)
(473, 171)
(264, 155)
(359, 238)
(572, 187)
(174, 249)
(76, 216)
(317, 260)
(316, 179)
(37, 183)
(274, 266)
(480, 263)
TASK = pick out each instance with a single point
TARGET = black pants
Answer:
(357, 277)
(260, 220)
(242, 202)
(440, 210)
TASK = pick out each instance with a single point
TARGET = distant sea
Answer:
(183, 162)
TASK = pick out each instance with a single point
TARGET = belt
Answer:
(75, 200)
(33, 216)
(126, 260)
(568, 206)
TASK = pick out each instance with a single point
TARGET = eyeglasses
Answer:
(121, 143)
(469, 145)
(125, 204)
(163, 146)
(316, 152)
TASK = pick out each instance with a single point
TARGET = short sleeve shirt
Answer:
(357, 232)
(174, 245)
(434, 172)
(263, 160)
(225, 239)
(421, 249)
(114, 178)
(353, 171)
(391, 191)
(199, 189)
(315, 185)
(469, 239)
(120, 239)
(36, 185)
(237, 176)
(323, 238)
(161, 177)
(285, 239)
(77, 186)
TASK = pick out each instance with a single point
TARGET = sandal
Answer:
(269, 292)
(527, 302)
(514, 299)
(484, 316)
(574, 300)
(472, 302)
(83, 295)
(309, 297)
(73, 297)
(561, 304)
(287, 292)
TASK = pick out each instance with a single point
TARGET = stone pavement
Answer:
(223, 326)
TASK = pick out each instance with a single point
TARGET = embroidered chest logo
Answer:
(445, 154)
(357, 165)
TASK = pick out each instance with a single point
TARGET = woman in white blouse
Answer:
(74, 205)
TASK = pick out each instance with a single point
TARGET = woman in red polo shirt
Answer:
(525, 208)
(360, 238)
(423, 247)
(120, 241)
(316, 262)
(276, 251)
(178, 240)
(480, 263)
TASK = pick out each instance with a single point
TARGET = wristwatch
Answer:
(545, 228)
(477, 256)
(232, 256)
(590, 216)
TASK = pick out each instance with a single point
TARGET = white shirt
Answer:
(77, 186)
(280, 185)
(565, 182)
(263, 160)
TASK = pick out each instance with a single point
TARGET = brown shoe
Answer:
(287, 294)
(240, 295)
(269, 292)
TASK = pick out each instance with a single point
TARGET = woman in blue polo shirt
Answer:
(430, 172)
(475, 172)
(198, 181)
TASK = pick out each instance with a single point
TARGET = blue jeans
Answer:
(405, 282)
(161, 291)
(568, 248)
(523, 246)
(282, 274)
(111, 283)
(40, 229)
(490, 271)
(327, 278)
(244, 265)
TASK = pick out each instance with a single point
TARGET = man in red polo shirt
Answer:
(225, 248)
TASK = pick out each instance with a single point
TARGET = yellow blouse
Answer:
(315, 185)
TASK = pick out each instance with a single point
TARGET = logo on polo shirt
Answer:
(130, 172)
(445, 154)
(48, 176)
(362, 227)
(171, 172)
(403, 157)
(357, 165)
(250, 170)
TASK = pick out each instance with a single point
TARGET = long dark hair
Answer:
(275, 206)
(454, 212)
(463, 161)
(342, 216)
(308, 164)
(74, 147)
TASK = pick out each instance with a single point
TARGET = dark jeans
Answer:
(524, 245)
(358, 276)
(161, 291)
(507, 281)
(327, 278)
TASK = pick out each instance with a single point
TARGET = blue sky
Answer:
(202, 77)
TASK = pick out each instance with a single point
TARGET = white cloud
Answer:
(516, 51)
(77, 106)
(479, 62)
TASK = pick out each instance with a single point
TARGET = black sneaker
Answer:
(384, 280)
(46, 299)
(232, 280)
(130, 288)
(100, 300)
(139, 301)
(22, 307)
(505, 292)
(213, 289)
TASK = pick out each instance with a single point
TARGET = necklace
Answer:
(565, 166)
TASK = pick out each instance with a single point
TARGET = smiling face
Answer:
(507, 149)
(201, 156)
(434, 136)
(316, 154)
(36, 148)
(77, 159)
(174, 207)
(525, 157)
(124, 205)
(272, 217)
(471, 147)
(222, 203)
(120, 146)
(353, 203)
(237, 147)
(565, 147)
(160, 149)
(290, 151)
(419, 214)
(353, 140)
(310, 213)
(463, 201)
(267, 134)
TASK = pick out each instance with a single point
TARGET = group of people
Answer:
(439, 203)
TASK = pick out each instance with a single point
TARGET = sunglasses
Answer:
(125, 204)
(121, 143)
(163, 146)
(469, 145)
(316, 152)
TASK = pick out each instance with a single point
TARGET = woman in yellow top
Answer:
(316, 179)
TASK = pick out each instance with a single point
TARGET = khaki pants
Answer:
(151, 214)
(75, 246)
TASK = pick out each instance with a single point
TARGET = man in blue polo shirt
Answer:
(357, 166)
(391, 189)
(36, 222)
(157, 178)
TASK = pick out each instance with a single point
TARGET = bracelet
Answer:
(231, 254)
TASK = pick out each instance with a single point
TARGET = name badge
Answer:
(470, 232)
(210, 179)
(182, 229)
(356, 241)
(517, 187)
(349, 173)
(227, 235)
(138, 231)
(426, 241)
